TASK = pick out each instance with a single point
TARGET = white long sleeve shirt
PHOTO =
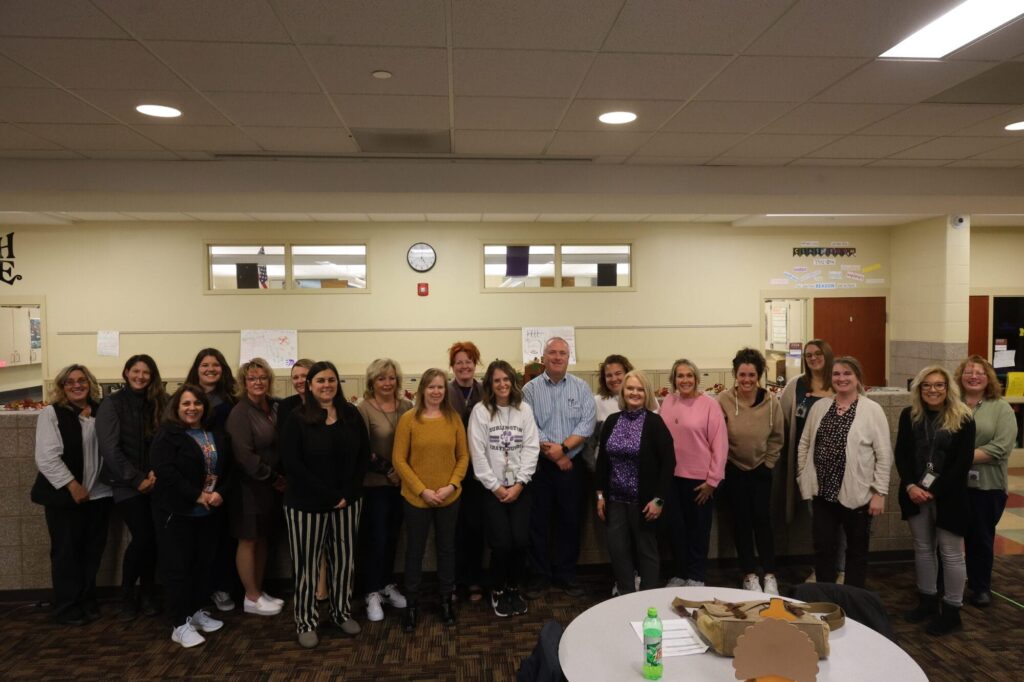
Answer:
(50, 448)
(504, 447)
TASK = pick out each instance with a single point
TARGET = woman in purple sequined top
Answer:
(635, 461)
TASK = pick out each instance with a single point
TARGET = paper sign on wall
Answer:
(279, 347)
(535, 337)
(108, 343)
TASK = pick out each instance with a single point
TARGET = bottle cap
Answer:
(652, 612)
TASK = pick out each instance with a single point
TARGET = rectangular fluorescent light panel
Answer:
(957, 27)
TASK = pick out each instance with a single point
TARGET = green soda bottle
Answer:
(652, 645)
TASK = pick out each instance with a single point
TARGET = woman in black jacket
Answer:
(934, 451)
(635, 462)
(325, 449)
(68, 485)
(190, 463)
(125, 425)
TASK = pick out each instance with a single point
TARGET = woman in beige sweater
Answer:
(754, 421)
(431, 457)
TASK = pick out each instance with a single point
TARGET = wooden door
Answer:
(977, 326)
(855, 326)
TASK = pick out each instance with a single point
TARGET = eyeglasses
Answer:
(937, 386)
(76, 382)
(979, 373)
(257, 380)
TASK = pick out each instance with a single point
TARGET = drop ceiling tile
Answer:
(358, 22)
(200, 138)
(825, 118)
(454, 217)
(694, 27)
(49, 105)
(564, 217)
(726, 117)
(303, 140)
(414, 71)
(767, 146)
(120, 104)
(513, 73)
(237, 67)
(640, 160)
(689, 145)
(886, 81)
(867, 146)
(276, 109)
(933, 119)
(48, 154)
(777, 79)
(508, 113)
(1014, 151)
(952, 148)
(282, 217)
(831, 162)
(741, 161)
(91, 137)
(13, 138)
(96, 64)
(672, 217)
(133, 155)
(509, 217)
(30, 218)
(986, 163)
(15, 76)
(996, 125)
(96, 216)
(393, 111)
(223, 20)
(618, 217)
(533, 24)
(1001, 45)
(221, 217)
(847, 28)
(910, 163)
(63, 18)
(501, 142)
(596, 144)
(651, 114)
(340, 217)
(649, 76)
(161, 216)
(397, 217)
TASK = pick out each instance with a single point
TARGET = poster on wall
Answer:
(108, 343)
(535, 337)
(279, 347)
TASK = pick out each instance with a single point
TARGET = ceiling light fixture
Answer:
(1019, 125)
(381, 74)
(158, 110)
(954, 29)
(617, 117)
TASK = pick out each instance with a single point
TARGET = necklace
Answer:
(387, 414)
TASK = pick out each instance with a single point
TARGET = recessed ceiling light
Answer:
(158, 110)
(957, 27)
(381, 74)
(617, 117)
(1019, 125)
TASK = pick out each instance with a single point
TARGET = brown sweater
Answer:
(429, 454)
(755, 433)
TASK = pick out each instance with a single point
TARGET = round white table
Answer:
(600, 644)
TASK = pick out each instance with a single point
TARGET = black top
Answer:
(285, 408)
(952, 453)
(181, 469)
(70, 429)
(124, 442)
(657, 458)
(830, 450)
(325, 464)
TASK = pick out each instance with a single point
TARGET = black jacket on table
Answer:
(657, 458)
(325, 464)
(950, 488)
(180, 469)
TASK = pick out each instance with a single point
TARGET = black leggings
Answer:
(749, 494)
(140, 556)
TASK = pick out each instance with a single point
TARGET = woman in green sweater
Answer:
(431, 457)
(994, 437)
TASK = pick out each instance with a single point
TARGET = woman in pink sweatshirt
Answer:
(701, 447)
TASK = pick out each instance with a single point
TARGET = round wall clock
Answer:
(421, 257)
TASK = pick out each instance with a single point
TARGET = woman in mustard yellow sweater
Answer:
(430, 456)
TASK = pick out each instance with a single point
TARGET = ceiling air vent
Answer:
(384, 141)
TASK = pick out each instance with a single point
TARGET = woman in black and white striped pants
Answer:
(325, 449)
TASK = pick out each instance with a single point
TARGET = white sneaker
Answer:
(202, 620)
(615, 589)
(393, 596)
(771, 586)
(261, 607)
(812, 578)
(273, 600)
(186, 635)
(752, 583)
(374, 612)
(840, 577)
(223, 601)
(636, 582)
(694, 583)
(677, 582)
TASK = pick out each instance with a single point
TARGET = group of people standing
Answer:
(201, 477)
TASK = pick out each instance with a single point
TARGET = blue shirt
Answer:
(561, 410)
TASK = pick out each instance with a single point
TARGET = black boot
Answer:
(947, 621)
(927, 607)
(409, 617)
(129, 604)
(448, 610)
(151, 605)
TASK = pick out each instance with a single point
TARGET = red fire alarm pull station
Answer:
(423, 289)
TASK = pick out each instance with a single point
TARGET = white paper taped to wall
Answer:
(108, 343)
(535, 337)
(1004, 358)
(279, 347)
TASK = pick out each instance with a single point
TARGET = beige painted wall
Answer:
(996, 260)
(149, 277)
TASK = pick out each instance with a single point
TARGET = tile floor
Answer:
(1010, 531)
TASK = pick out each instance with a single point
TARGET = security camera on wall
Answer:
(958, 222)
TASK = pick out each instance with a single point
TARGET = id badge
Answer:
(801, 411)
(211, 483)
(927, 480)
(974, 475)
(510, 477)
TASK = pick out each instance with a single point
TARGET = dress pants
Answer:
(690, 529)
(632, 545)
(828, 522)
(558, 493)
(749, 495)
(508, 533)
(417, 526)
(379, 527)
(188, 546)
(78, 536)
(985, 510)
(140, 556)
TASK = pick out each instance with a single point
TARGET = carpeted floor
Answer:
(480, 647)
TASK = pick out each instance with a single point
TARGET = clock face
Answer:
(421, 257)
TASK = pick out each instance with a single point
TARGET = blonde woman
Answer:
(934, 452)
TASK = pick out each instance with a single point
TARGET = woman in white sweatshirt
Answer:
(504, 445)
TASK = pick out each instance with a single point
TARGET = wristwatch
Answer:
(565, 448)
(659, 502)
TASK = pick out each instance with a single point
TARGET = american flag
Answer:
(262, 270)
